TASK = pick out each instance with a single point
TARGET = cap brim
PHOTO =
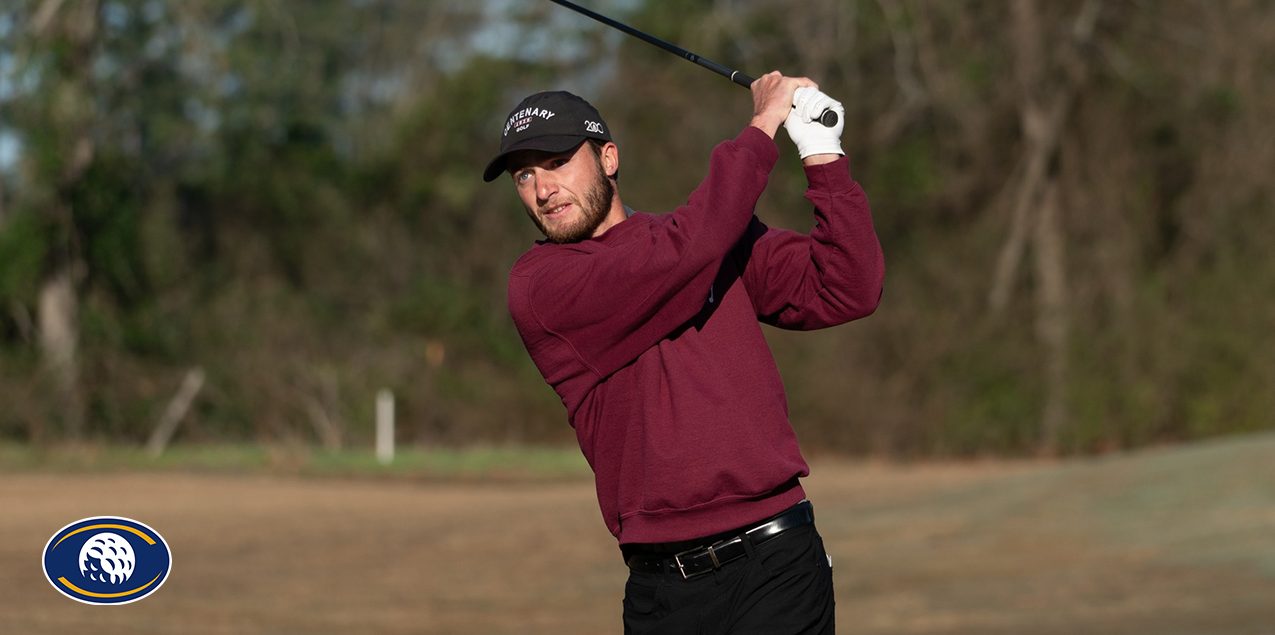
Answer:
(548, 143)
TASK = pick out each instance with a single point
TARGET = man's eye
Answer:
(523, 176)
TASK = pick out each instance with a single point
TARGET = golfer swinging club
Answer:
(647, 327)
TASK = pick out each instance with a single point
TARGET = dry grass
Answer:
(1175, 541)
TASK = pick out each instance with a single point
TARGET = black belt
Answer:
(701, 560)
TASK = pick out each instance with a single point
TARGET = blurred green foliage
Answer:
(288, 196)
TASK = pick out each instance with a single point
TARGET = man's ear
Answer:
(610, 158)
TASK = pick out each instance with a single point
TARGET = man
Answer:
(647, 326)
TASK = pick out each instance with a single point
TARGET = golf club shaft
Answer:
(729, 73)
(828, 118)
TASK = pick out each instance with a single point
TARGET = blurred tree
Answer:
(286, 194)
(66, 33)
(1045, 105)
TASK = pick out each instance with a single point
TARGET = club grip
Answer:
(828, 118)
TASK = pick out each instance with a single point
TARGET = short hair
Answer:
(597, 145)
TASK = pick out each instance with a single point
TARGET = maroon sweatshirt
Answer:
(650, 334)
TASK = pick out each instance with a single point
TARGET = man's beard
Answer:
(593, 210)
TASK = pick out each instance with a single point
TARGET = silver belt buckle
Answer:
(711, 554)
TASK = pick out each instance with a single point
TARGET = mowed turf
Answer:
(1169, 541)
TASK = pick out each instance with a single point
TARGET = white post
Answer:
(384, 426)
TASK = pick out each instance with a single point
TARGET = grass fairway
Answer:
(1172, 541)
(1167, 541)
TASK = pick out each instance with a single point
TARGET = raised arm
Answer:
(830, 277)
(601, 305)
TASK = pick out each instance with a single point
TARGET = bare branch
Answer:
(1042, 123)
(912, 95)
(176, 410)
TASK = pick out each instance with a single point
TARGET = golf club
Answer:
(828, 118)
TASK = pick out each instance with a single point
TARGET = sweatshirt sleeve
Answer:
(830, 277)
(611, 305)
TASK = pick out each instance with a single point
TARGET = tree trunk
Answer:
(1043, 109)
(59, 338)
(1051, 314)
(71, 29)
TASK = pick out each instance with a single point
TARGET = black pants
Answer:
(783, 586)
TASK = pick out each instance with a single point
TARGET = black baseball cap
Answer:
(553, 121)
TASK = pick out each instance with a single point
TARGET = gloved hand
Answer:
(803, 125)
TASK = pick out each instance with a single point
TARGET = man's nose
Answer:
(546, 185)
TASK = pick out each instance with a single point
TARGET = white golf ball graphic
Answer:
(107, 557)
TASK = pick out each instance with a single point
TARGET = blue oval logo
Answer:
(107, 560)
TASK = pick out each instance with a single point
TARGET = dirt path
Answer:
(1167, 543)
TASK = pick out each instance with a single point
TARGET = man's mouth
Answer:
(555, 211)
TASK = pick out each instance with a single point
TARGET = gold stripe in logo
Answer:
(106, 595)
(125, 528)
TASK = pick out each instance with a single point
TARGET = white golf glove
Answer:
(804, 128)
